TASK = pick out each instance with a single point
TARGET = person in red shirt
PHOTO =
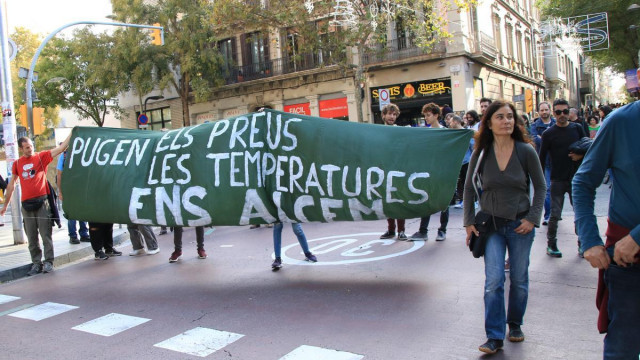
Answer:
(31, 169)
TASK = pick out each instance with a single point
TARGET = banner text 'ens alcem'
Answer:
(260, 168)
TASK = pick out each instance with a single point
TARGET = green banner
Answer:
(259, 168)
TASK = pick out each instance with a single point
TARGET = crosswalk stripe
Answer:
(7, 298)
(199, 341)
(306, 352)
(11, 311)
(43, 311)
(110, 324)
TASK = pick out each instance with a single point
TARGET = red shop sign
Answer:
(334, 108)
(299, 109)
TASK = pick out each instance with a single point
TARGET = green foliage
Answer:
(624, 43)
(81, 74)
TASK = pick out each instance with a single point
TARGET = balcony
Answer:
(397, 49)
(282, 66)
(484, 47)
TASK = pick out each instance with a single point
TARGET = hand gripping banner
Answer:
(260, 168)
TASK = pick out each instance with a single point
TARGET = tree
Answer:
(187, 62)
(624, 42)
(27, 43)
(81, 74)
(357, 26)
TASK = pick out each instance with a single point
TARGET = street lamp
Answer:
(633, 7)
(153, 97)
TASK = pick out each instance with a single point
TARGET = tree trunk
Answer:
(184, 97)
(358, 78)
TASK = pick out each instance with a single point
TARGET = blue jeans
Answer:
(84, 231)
(519, 246)
(277, 237)
(547, 199)
(623, 336)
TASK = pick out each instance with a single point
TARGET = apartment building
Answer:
(491, 54)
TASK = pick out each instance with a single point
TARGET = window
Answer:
(527, 44)
(509, 41)
(158, 118)
(497, 35)
(291, 47)
(227, 49)
(519, 46)
(255, 55)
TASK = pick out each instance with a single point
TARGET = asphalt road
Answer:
(365, 298)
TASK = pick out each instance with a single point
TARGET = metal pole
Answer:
(44, 42)
(9, 127)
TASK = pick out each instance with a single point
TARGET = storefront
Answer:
(411, 97)
(334, 108)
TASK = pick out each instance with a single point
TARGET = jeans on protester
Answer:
(84, 231)
(177, 237)
(39, 222)
(444, 220)
(547, 199)
(391, 225)
(140, 234)
(277, 237)
(558, 189)
(623, 338)
(519, 247)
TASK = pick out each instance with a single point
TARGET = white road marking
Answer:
(43, 311)
(110, 324)
(306, 352)
(226, 246)
(7, 298)
(199, 341)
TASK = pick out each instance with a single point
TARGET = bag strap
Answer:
(523, 162)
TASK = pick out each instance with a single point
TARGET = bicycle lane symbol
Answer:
(349, 249)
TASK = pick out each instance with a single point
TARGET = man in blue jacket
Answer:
(539, 126)
(618, 297)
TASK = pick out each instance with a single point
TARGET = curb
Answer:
(21, 271)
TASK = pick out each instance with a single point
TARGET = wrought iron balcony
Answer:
(397, 49)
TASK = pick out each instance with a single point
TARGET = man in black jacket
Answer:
(555, 142)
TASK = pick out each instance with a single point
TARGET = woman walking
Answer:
(507, 164)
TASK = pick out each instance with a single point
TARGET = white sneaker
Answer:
(153, 252)
(137, 252)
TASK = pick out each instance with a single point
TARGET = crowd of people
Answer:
(509, 155)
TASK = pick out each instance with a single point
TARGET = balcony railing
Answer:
(397, 49)
(274, 67)
(485, 46)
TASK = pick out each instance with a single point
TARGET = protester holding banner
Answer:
(177, 243)
(390, 114)
(431, 113)
(277, 244)
(507, 164)
(31, 170)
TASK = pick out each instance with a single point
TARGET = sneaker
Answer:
(47, 267)
(113, 252)
(580, 252)
(310, 257)
(552, 250)
(153, 251)
(175, 256)
(458, 205)
(277, 264)
(419, 236)
(138, 252)
(545, 222)
(85, 239)
(74, 241)
(100, 255)
(491, 346)
(35, 269)
(388, 235)
(402, 236)
(269, 225)
(202, 254)
(163, 232)
(515, 333)
(255, 226)
(441, 236)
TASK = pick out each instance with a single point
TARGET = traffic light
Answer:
(38, 121)
(156, 36)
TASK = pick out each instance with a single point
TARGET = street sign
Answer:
(528, 100)
(143, 119)
(385, 99)
(518, 98)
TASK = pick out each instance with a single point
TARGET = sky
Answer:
(44, 16)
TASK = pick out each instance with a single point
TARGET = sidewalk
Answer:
(15, 260)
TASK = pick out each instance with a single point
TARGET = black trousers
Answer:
(101, 236)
